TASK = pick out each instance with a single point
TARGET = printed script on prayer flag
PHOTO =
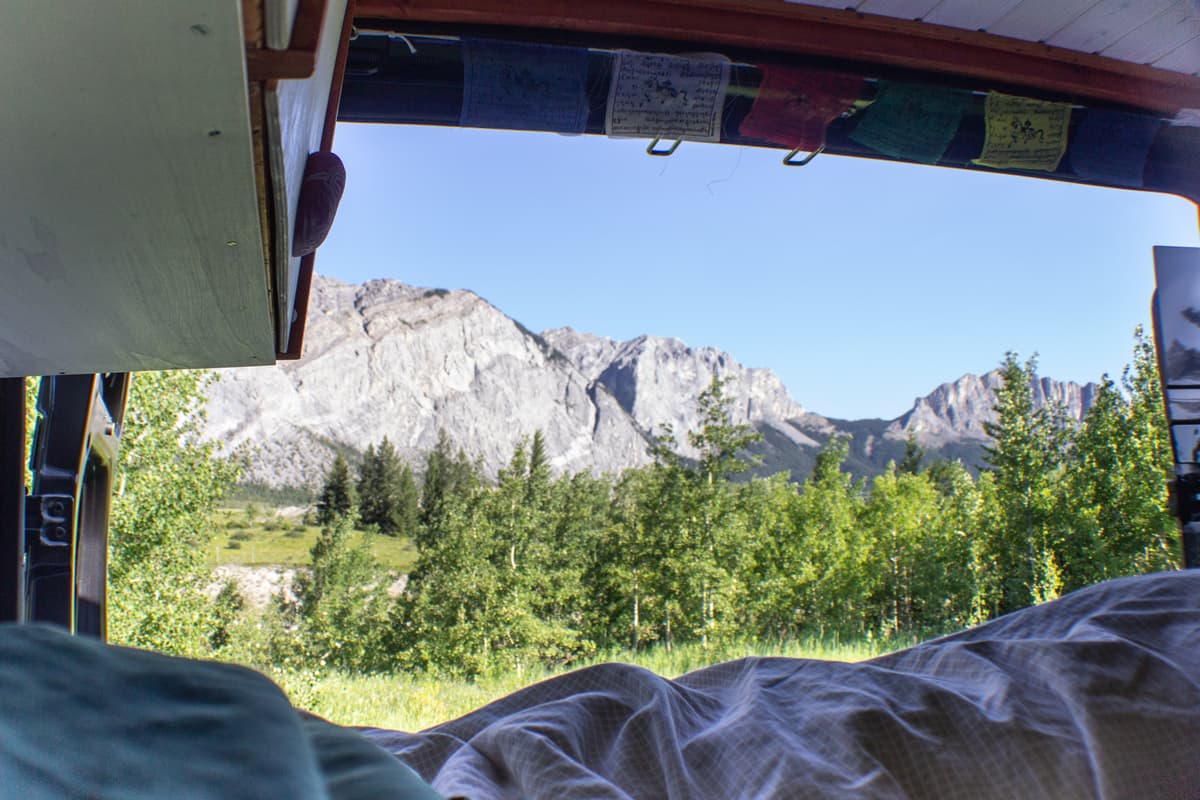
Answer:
(669, 97)
(1024, 133)
(793, 107)
(1111, 146)
(912, 122)
(524, 86)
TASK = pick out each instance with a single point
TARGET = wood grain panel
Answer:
(1185, 58)
(129, 227)
(1038, 20)
(901, 9)
(1158, 37)
(829, 3)
(972, 15)
(1106, 22)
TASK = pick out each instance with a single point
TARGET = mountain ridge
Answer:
(388, 359)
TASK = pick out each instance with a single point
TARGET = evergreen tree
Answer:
(337, 496)
(720, 442)
(370, 486)
(913, 455)
(407, 517)
(449, 478)
(387, 491)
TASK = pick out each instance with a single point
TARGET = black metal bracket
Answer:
(54, 535)
(13, 456)
(49, 557)
(1185, 503)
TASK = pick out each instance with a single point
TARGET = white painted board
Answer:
(1168, 30)
(1185, 58)
(1105, 23)
(970, 15)
(901, 9)
(129, 224)
(1038, 20)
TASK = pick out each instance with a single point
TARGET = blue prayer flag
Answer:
(524, 86)
(1111, 146)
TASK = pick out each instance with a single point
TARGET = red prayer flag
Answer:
(795, 106)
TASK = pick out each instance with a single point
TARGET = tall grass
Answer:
(415, 702)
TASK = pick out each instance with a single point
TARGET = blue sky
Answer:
(862, 284)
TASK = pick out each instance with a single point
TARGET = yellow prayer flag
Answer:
(1023, 133)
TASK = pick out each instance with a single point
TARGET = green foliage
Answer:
(488, 589)
(337, 500)
(167, 484)
(1118, 477)
(719, 440)
(251, 492)
(388, 492)
(1027, 457)
(450, 479)
(536, 572)
(31, 393)
(343, 603)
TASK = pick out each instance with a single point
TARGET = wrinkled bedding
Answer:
(1093, 695)
(80, 719)
(1096, 694)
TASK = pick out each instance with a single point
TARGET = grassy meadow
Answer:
(263, 535)
(259, 536)
(415, 702)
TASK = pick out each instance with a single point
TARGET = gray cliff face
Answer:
(957, 411)
(386, 359)
(657, 381)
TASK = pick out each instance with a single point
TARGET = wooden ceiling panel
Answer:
(1185, 58)
(1158, 37)
(971, 15)
(843, 4)
(1037, 20)
(901, 9)
(1105, 23)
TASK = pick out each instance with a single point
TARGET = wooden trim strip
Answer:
(775, 25)
(300, 59)
(307, 263)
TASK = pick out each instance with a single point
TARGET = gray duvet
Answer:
(1095, 695)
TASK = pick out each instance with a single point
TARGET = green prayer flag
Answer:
(912, 122)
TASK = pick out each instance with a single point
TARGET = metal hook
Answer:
(788, 162)
(651, 151)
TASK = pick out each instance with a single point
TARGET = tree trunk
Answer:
(637, 631)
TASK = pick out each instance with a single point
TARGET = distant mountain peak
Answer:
(385, 358)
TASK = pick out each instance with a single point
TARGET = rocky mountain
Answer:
(656, 380)
(388, 359)
(958, 410)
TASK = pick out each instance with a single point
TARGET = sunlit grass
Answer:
(270, 540)
(416, 702)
